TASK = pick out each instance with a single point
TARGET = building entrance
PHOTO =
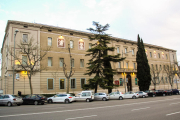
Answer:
(129, 84)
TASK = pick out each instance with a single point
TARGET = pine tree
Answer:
(99, 64)
(143, 69)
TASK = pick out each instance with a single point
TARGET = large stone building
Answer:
(58, 39)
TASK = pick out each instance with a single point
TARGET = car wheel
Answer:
(176, 93)
(143, 96)
(120, 98)
(164, 95)
(154, 95)
(104, 99)
(66, 101)
(87, 100)
(18, 104)
(42, 103)
(50, 101)
(134, 97)
(9, 104)
(35, 102)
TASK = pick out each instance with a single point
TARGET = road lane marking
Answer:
(140, 108)
(85, 108)
(174, 103)
(172, 113)
(80, 117)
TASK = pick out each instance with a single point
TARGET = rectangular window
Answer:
(162, 80)
(25, 38)
(81, 62)
(49, 61)
(158, 55)
(160, 67)
(166, 56)
(90, 45)
(72, 60)
(134, 64)
(83, 81)
(151, 54)
(119, 64)
(73, 83)
(62, 83)
(136, 82)
(127, 65)
(71, 44)
(24, 60)
(50, 85)
(173, 57)
(156, 67)
(132, 51)
(117, 49)
(125, 50)
(49, 41)
(61, 62)
(121, 82)
(152, 66)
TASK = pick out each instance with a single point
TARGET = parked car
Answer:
(116, 95)
(101, 96)
(142, 94)
(66, 98)
(87, 96)
(151, 93)
(131, 94)
(175, 91)
(168, 92)
(10, 100)
(34, 99)
(160, 93)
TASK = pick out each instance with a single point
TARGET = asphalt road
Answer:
(157, 108)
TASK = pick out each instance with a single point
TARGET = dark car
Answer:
(34, 99)
(168, 92)
(160, 93)
(175, 91)
(151, 93)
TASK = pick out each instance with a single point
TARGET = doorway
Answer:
(129, 84)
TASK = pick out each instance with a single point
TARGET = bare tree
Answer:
(155, 72)
(28, 55)
(55, 75)
(65, 70)
(170, 71)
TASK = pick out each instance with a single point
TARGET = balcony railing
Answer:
(19, 67)
(126, 70)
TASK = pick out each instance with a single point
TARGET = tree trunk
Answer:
(30, 84)
(67, 85)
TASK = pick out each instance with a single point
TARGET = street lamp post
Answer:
(124, 71)
(14, 57)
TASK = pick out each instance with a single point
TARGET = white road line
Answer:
(140, 108)
(172, 113)
(80, 117)
(53, 108)
(85, 108)
(174, 103)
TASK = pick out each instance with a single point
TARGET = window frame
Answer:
(51, 61)
(84, 81)
(74, 84)
(50, 41)
(24, 39)
(24, 62)
(71, 44)
(64, 83)
(61, 64)
(120, 81)
(48, 83)
(81, 63)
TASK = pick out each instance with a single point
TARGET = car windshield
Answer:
(41, 95)
(14, 96)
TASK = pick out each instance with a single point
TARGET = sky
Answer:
(156, 21)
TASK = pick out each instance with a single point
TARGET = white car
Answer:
(10, 100)
(116, 95)
(87, 96)
(101, 96)
(142, 94)
(66, 98)
(131, 95)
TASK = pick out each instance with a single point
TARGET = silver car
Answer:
(101, 96)
(10, 100)
(142, 94)
(66, 98)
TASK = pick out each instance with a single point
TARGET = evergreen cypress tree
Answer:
(99, 64)
(143, 69)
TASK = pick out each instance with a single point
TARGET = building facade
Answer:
(52, 79)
